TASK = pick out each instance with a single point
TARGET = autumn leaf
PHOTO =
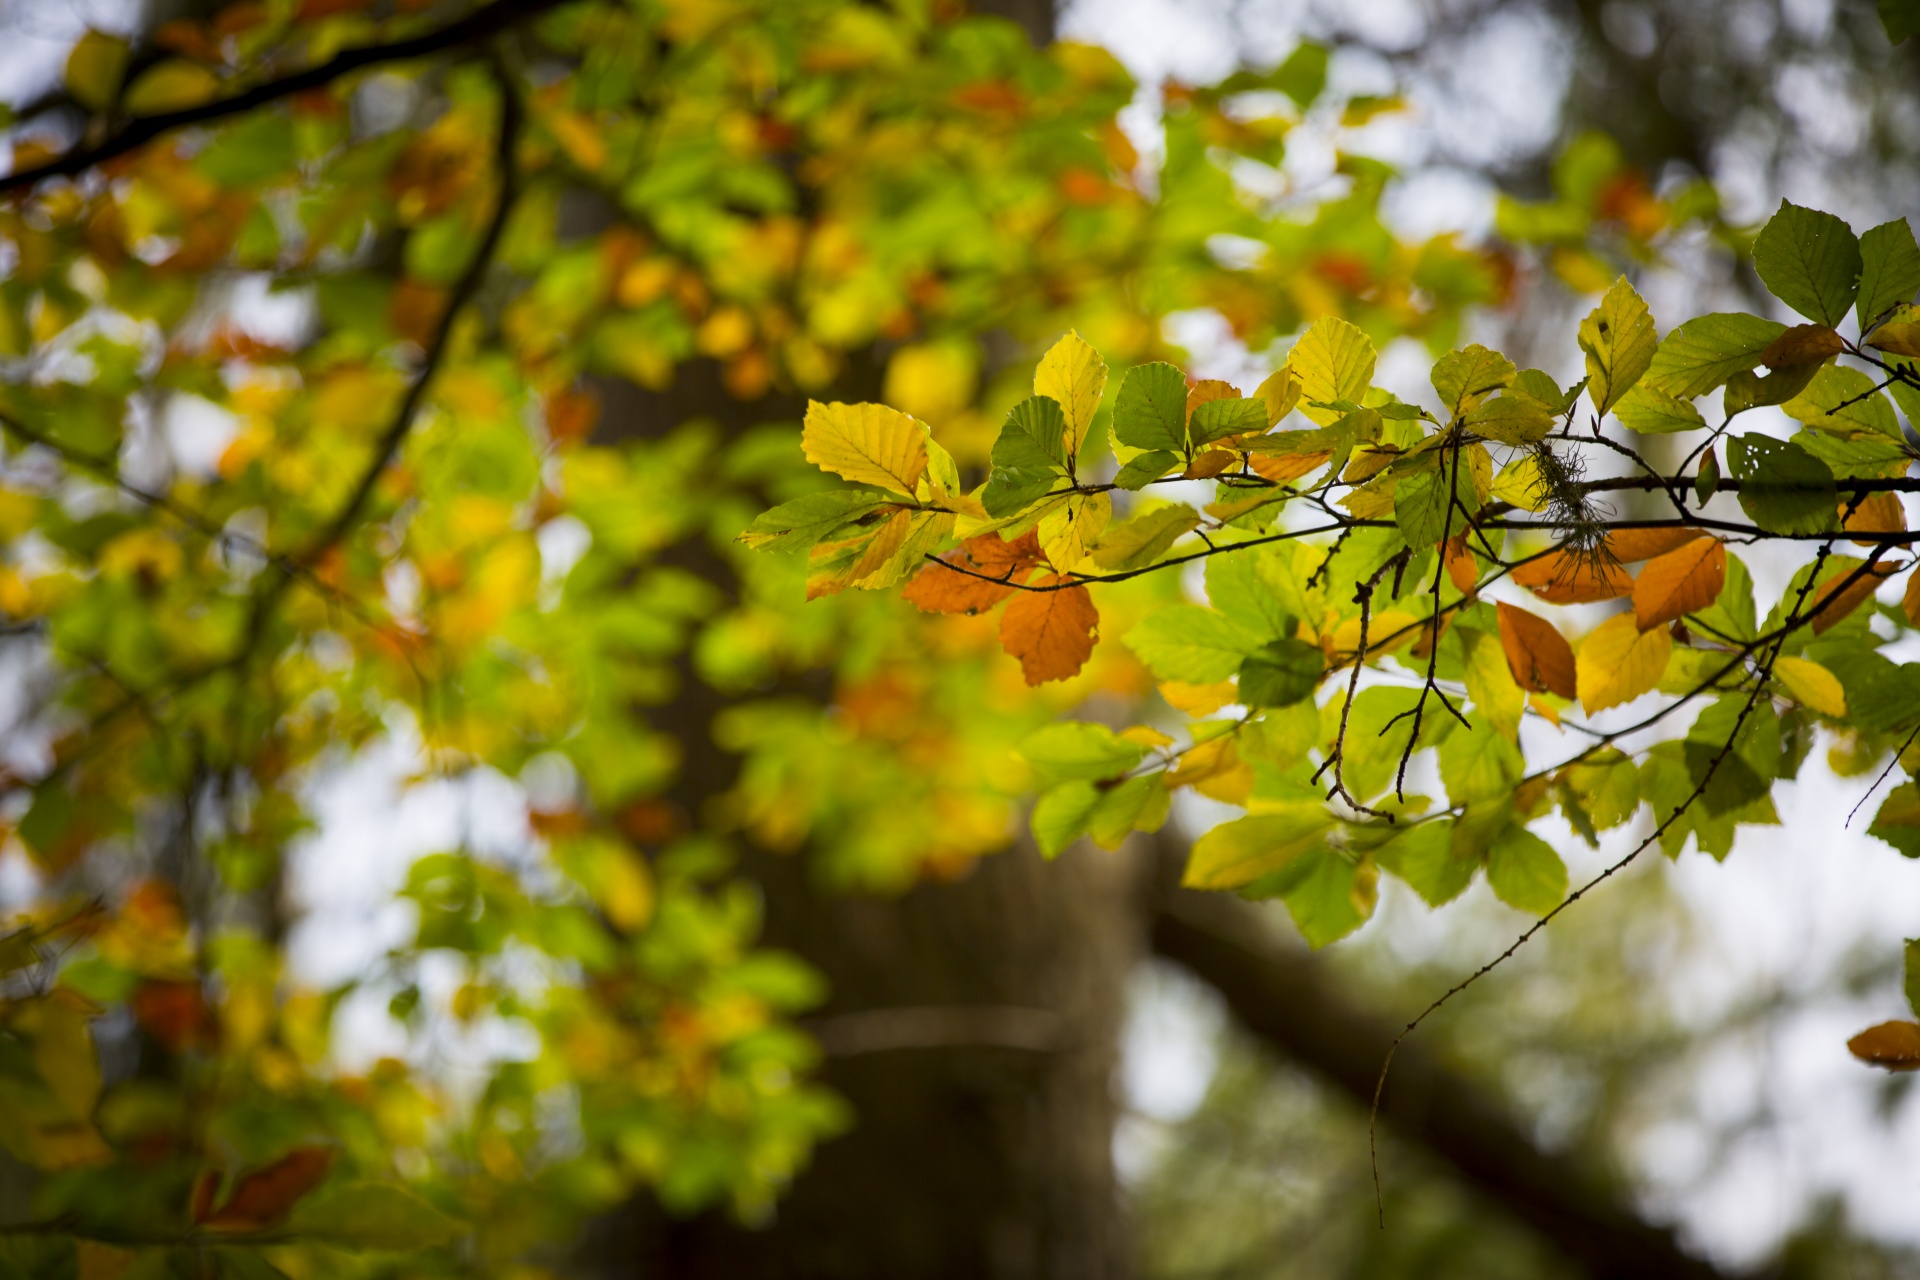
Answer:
(1838, 597)
(1618, 662)
(1812, 685)
(1680, 582)
(1619, 340)
(1561, 577)
(1538, 655)
(1073, 374)
(1630, 545)
(1051, 632)
(1802, 345)
(1461, 566)
(266, 1196)
(1879, 513)
(866, 443)
(984, 571)
(1910, 602)
(1893, 1045)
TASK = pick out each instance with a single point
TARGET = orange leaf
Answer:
(1910, 603)
(265, 1197)
(1560, 578)
(1538, 655)
(1209, 389)
(1680, 582)
(1282, 467)
(1629, 545)
(938, 589)
(1880, 513)
(1893, 1045)
(1461, 566)
(1051, 632)
(1209, 463)
(1802, 345)
(1836, 601)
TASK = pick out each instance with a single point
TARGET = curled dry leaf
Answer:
(1680, 582)
(1563, 578)
(1538, 655)
(1051, 632)
(1893, 1045)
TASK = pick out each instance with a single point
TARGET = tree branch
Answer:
(1287, 1002)
(476, 26)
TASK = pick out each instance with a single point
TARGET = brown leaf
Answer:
(1836, 601)
(1629, 545)
(1561, 578)
(1879, 513)
(938, 589)
(1802, 345)
(1538, 655)
(1910, 603)
(266, 1196)
(1680, 582)
(1209, 463)
(1893, 1045)
(1051, 632)
(174, 1013)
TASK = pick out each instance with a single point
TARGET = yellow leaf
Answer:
(1280, 392)
(1150, 737)
(1491, 686)
(1519, 483)
(1073, 373)
(1812, 685)
(1910, 602)
(1215, 769)
(1880, 513)
(1898, 337)
(173, 85)
(1679, 582)
(1198, 699)
(1334, 361)
(63, 1054)
(94, 69)
(1619, 340)
(932, 381)
(1069, 531)
(1618, 662)
(866, 443)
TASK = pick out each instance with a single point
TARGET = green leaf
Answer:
(1011, 489)
(1898, 822)
(1707, 350)
(1060, 815)
(1783, 488)
(1731, 617)
(1652, 412)
(1525, 873)
(1810, 261)
(1150, 411)
(1479, 764)
(373, 1215)
(1281, 673)
(1327, 895)
(1544, 389)
(1303, 75)
(1862, 455)
(1261, 588)
(1334, 361)
(793, 526)
(1378, 732)
(1425, 857)
(1080, 749)
(1706, 480)
(1143, 469)
(172, 85)
(1911, 976)
(1218, 419)
(1511, 419)
(1137, 804)
(1145, 538)
(94, 69)
(1033, 437)
(1619, 339)
(1466, 377)
(1748, 390)
(1844, 400)
(1188, 643)
(1889, 266)
(1236, 853)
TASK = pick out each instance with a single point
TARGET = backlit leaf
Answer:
(172, 85)
(1680, 582)
(794, 525)
(1334, 361)
(1145, 538)
(1889, 269)
(1080, 750)
(1619, 341)
(1706, 351)
(1280, 673)
(866, 443)
(1812, 685)
(1618, 662)
(1537, 654)
(1652, 412)
(1075, 376)
(1525, 873)
(1052, 633)
(1844, 592)
(1466, 377)
(1236, 853)
(1188, 643)
(1561, 577)
(1150, 411)
(94, 68)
